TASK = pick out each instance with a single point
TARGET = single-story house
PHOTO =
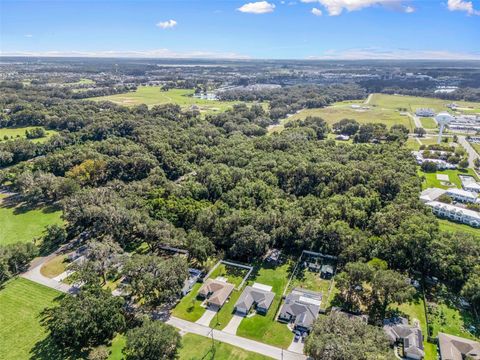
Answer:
(215, 291)
(301, 308)
(313, 266)
(273, 256)
(409, 337)
(193, 276)
(258, 295)
(457, 348)
(326, 271)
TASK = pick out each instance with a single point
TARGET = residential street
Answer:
(241, 342)
(472, 154)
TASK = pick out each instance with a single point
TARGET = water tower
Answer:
(442, 119)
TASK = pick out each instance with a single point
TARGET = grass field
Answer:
(428, 123)
(448, 319)
(476, 147)
(19, 133)
(265, 328)
(152, 95)
(189, 307)
(335, 113)
(412, 103)
(21, 335)
(18, 224)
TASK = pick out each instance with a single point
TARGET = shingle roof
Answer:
(303, 305)
(251, 295)
(455, 348)
(219, 291)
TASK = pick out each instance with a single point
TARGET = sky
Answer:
(283, 29)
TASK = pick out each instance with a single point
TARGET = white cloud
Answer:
(409, 9)
(144, 54)
(316, 12)
(167, 24)
(461, 5)
(28, 35)
(394, 54)
(259, 7)
(336, 7)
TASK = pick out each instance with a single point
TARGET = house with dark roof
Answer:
(326, 271)
(258, 295)
(216, 292)
(402, 334)
(301, 308)
(457, 348)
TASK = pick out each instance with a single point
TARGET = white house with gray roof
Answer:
(409, 337)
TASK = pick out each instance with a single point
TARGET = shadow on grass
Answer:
(47, 349)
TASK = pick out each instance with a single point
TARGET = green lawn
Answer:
(450, 226)
(233, 274)
(432, 181)
(19, 133)
(265, 328)
(476, 147)
(412, 103)
(18, 224)
(335, 113)
(152, 95)
(195, 347)
(189, 307)
(448, 319)
(225, 314)
(415, 309)
(428, 123)
(21, 335)
(309, 280)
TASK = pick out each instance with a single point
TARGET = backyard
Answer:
(19, 223)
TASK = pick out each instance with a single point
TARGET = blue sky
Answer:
(299, 29)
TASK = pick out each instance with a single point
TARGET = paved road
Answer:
(238, 341)
(472, 154)
(416, 120)
(368, 99)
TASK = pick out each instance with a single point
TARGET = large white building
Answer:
(455, 213)
(469, 183)
(462, 195)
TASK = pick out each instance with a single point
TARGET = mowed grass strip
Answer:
(195, 347)
(19, 224)
(21, 304)
(19, 133)
(153, 95)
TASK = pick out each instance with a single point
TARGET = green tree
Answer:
(88, 319)
(199, 247)
(153, 340)
(338, 337)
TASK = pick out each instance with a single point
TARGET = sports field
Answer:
(153, 95)
(21, 335)
(19, 224)
(19, 133)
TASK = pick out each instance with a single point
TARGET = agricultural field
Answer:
(265, 328)
(412, 103)
(152, 95)
(19, 223)
(21, 335)
(19, 133)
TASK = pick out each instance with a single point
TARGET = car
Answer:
(297, 336)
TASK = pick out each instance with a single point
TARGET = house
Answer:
(258, 295)
(326, 271)
(193, 276)
(469, 183)
(425, 112)
(301, 309)
(462, 195)
(457, 348)
(216, 292)
(313, 266)
(456, 213)
(273, 256)
(402, 334)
